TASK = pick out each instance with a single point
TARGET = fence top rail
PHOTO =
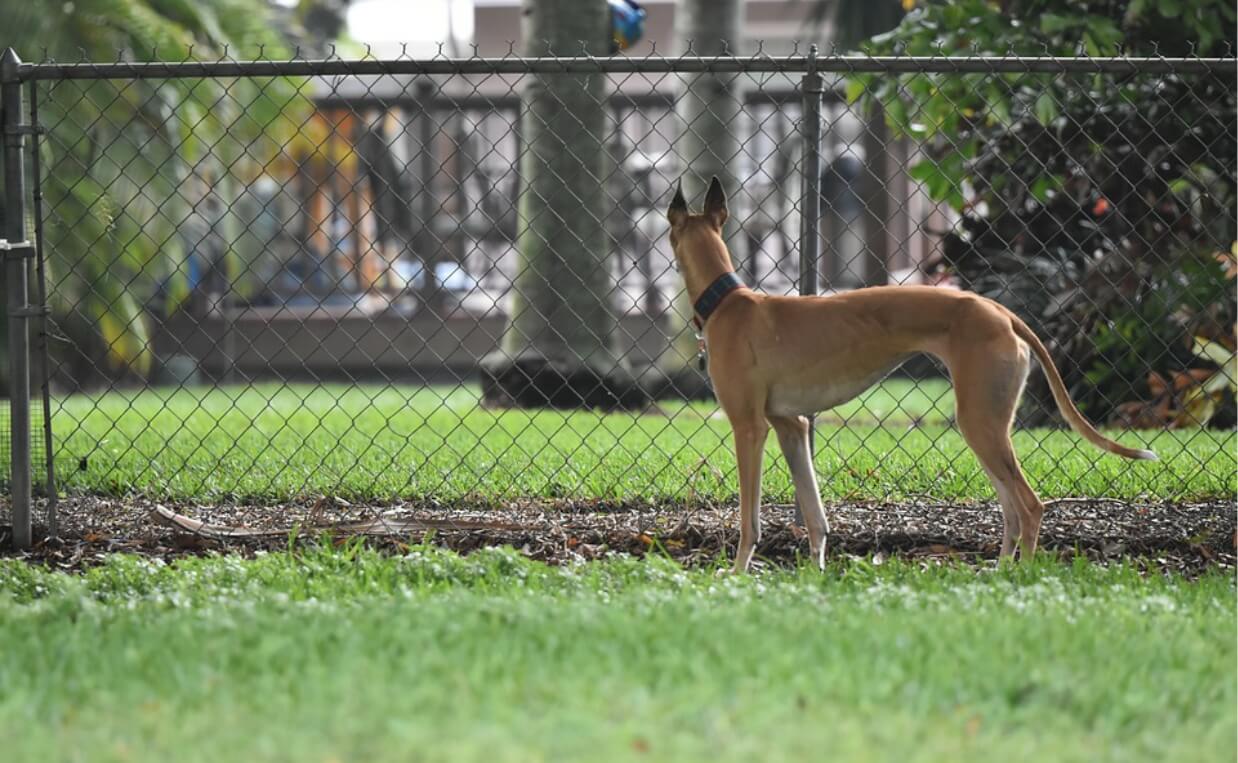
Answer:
(624, 65)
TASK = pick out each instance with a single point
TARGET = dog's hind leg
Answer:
(793, 439)
(750, 434)
(988, 379)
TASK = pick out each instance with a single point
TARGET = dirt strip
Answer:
(1184, 537)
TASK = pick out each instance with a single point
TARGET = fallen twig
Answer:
(382, 525)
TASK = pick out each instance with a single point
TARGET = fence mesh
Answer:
(450, 281)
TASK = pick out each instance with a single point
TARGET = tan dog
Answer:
(773, 359)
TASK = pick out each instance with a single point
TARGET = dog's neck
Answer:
(703, 258)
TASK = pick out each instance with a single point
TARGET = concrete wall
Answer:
(280, 343)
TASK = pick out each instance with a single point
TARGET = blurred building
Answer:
(777, 25)
(406, 204)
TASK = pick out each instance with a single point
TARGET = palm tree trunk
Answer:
(707, 112)
(877, 201)
(558, 349)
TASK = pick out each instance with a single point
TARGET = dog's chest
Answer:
(795, 398)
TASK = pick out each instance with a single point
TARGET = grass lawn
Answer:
(348, 655)
(375, 442)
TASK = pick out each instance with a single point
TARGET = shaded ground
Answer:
(1183, 537)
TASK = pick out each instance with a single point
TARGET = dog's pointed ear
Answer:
(677, 212)
(715, 202)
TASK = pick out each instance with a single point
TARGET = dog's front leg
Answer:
(750, 434)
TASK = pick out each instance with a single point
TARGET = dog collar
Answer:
(713, 295)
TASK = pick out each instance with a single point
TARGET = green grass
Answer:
(376, 442)
(349, 655)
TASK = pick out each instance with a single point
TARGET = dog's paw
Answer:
(818, 559)
(736, 570)
(753, 567)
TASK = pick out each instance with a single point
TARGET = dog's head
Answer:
(696, 239)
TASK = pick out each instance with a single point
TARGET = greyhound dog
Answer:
(774, 359)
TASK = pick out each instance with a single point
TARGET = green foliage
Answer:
(1158, 327)
(125, 162)
(957, 109)
(1087, 202)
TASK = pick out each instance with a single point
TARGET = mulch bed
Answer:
(1183, 537)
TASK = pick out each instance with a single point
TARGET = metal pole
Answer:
(1221, 67)
(424, 245)
(812, 88)
(45, 321)
(810, 219)
(16, 256)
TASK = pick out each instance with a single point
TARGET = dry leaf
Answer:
(1157, 384)
(1229, 261)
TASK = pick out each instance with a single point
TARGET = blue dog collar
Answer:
(709, 300)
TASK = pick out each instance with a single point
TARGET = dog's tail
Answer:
(1065, 404)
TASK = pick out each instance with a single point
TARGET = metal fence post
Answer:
(812, 88)
(17, 252)
(40, 293)
(810, 207)
(425, 247)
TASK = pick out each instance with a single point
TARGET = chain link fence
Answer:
(448, 281)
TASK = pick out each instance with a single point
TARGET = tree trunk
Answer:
(877, 202)
(707, 112)
(558, 349)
